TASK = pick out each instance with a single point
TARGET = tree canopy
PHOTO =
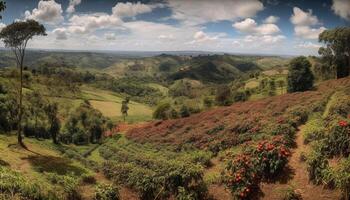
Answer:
(300, 77)
(336, 52)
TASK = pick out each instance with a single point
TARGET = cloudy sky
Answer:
(237, 26)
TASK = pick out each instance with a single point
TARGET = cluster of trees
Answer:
(166, 111)
(85, 125)
(33, 115)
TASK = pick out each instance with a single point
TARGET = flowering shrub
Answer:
(243, 174)
(338, 141)
(271, 156)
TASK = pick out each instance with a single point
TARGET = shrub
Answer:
(291, 194)
(243, 174)
(316, 164)
(106, 192)
(69, 184)
(338, 140)
(272, 157)
(14, 184)
(314, 130)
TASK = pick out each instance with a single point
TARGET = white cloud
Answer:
(110, 36)
(71, 6)
(263, 40)
(308, 45)
(307, 32)
(250, 26)
(60, 33)
(271, 20)
(166, 37)
(200, 36)
(48, 12)
(87, 23)
(342, 8)
(198, 12)
(303, 22)
(301, 18)
(130, 9)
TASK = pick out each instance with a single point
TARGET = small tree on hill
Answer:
(300, 77)
(16, 37)
(124, 109)
(223, 96)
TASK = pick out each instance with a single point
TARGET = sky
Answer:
(281, 27)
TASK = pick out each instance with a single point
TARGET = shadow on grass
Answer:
(4, 163)
(52, 164)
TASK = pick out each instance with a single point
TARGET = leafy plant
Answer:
(107, 192)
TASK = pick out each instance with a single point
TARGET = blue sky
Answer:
(235, 26)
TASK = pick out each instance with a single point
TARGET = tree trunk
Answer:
(20, 109)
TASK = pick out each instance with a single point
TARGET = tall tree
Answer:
(16, 37)
(336, 52)
(52, 114)
(300, 77)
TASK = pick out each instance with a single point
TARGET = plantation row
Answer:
(14, 185)
(329, 135)
(155, 174)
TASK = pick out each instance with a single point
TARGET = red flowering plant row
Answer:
(243, 174)
(338, 141)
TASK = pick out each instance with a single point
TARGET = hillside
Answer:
(226, 126)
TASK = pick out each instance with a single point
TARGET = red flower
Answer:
(343, 123)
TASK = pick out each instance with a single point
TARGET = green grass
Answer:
(109, 104)
(40, 158)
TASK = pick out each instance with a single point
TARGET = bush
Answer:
(13, 184)
(316, 164)
(106, 192)
(338, 140)
(243, 174)
(314, 130)
(291, 194)
(69, 184)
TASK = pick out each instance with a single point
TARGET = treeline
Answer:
(132, 87)
(42, 120)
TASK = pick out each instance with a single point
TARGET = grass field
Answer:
(109, 104)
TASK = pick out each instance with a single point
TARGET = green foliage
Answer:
(85, 125)
(223, 96)
(336, 53)
(243, 174)
(317, 163)
(154, 173)
(165, 111)
(69, 184)
(291, 194)
(13, 184)
(314, 130)
(184, 111)
(106, 192)
(300, 77)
